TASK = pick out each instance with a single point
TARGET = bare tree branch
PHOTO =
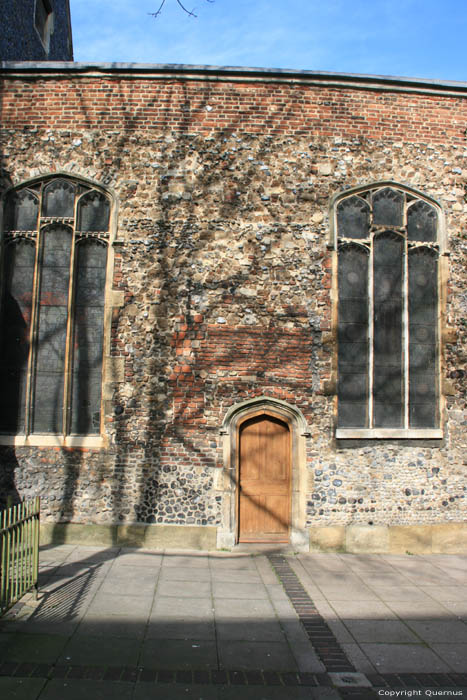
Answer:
(191, 13)
(156, 14)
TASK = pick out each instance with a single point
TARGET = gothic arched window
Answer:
(52, 323)
(387, 240)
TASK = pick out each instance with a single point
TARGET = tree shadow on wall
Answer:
(177, 444)
(178, 357)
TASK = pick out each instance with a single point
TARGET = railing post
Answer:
(36, 540)
(19, 551)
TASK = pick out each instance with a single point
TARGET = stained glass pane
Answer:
(93, 212)
(353, 337)
(52, 324)
(88, 337)
(59, 199)
(16, 321)
(388, 207)
(353, 218)
(422, 223)
(21, 211)
(388, 384)
(423, 303)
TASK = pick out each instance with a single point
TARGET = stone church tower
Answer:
(35, 30)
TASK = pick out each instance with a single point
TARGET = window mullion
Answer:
(69, 336)
(371, 315)
(405, 316)
(34, 330)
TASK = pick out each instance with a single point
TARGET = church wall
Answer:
(222, 286)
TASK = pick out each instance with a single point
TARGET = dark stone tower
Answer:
(35, 30)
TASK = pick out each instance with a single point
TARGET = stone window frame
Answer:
(440, 245)
(45, 31)
(112, 299)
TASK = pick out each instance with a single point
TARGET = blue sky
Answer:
(415, 38)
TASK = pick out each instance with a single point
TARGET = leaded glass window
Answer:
(51, 344)
(388, 376)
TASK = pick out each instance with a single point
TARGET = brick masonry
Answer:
(225, 271)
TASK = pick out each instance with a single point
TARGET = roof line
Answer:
(157, 70)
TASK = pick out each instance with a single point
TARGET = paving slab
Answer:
(265, 570)
(145, 691)
(179, 654)
(306, 658)
(21, 688)
(445, 592)
(189, 561)
(254, 631)
(457, 608)
(422, 611)
(137, 586)
(181, 628)
(167, 608)
(362, 610)
(228, 608)
(404, 658)
(76, 689)
(184, 589)
(86, 650)
(454, 654)
(229, 575)
(245, 655)
(403, 591)
(148, 559)
(238, 563)
(359, 659)
(391, 631)
(366, 563)
(35, 648)
(433, 631)
(276, 592)
(156, 611)
(348, 592)
(112, 626)
(136, 607)
(184, 573)
(245, 591)
(276, 693)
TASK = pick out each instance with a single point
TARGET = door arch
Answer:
(226, 482)
(264, 479)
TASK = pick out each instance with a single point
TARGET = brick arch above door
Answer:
(227, 483)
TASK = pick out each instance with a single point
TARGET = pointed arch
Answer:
(364, 191)
(228, 481)
(66, 323)
(388, 379)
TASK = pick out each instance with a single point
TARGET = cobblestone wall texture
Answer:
(223, 192)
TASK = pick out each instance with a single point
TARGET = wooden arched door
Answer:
(264, 480)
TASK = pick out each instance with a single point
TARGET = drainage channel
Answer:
(319, 633)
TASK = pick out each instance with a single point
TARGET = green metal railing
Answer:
(19, 551)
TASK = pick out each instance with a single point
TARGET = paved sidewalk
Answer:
(135, 624)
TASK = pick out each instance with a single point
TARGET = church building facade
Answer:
(234, 306)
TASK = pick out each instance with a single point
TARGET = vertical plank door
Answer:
(264, 480)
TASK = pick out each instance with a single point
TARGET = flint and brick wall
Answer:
(224, 273)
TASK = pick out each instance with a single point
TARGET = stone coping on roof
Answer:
(230, 73)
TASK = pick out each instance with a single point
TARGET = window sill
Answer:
(91, 442)
(389, 433)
